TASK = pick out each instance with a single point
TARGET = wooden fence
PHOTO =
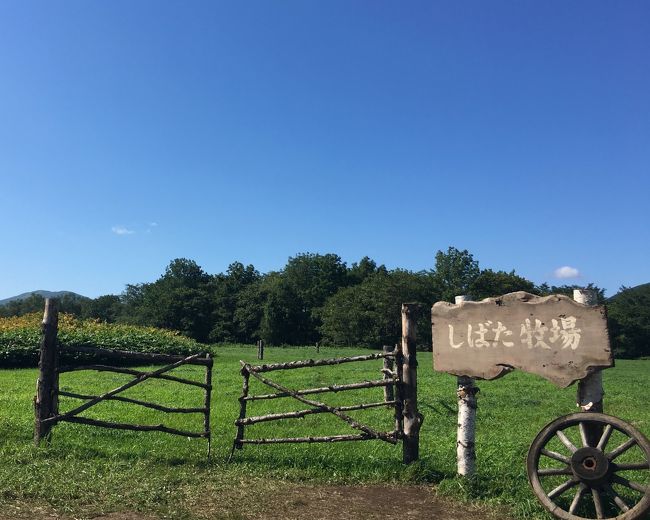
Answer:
(391, 382)
(46, 402)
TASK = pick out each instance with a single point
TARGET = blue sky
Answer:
(135, 132)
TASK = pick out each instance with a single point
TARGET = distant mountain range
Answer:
(44, 294)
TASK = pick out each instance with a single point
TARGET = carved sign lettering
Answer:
(554, 337)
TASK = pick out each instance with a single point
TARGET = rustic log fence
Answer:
(46, 402)
(391, 382)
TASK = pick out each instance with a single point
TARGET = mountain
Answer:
(44, 294)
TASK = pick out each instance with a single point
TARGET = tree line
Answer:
(319, 298)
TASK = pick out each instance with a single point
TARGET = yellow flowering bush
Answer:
(20, 338)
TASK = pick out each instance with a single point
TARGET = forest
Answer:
(318, 298)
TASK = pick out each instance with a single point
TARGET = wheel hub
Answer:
(590, 465)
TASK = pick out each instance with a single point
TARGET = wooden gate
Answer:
(393, 398)
(46, 402)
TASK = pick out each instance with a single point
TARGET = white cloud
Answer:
(566, 272)
(121, 230)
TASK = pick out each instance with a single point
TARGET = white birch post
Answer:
(590, 389)
(466, 433)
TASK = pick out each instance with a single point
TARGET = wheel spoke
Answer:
(562, 488)
(607, 432)
(554, 471)
(619, 501)
(621, 449)
(556, 456)
(598, 503)
(632, 466)
(629, 484)
(576, 498)
(566, 441)
(583, 434)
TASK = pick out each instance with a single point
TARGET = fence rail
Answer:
(46, 402)
(391, 382)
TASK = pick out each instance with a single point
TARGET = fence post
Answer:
(412, 418)
(237, 444)
(260, 349)
(206, 402)
(46, 402)
(590, 389)
(466, 433)
(389, 367)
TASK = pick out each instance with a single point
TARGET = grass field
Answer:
(86, 470)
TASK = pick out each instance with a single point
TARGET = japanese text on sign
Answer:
(533, 333)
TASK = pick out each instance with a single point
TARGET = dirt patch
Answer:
(378, 502)
(290, 502)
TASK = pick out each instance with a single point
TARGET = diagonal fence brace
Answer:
(133, 382)
(346, 418)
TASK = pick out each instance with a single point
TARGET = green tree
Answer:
(107, 308)
(455, 272)
(629, 321)
(369, 313)
(179, 300)
(491, 283)
(227, 290)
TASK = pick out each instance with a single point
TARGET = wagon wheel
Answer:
(591, 465)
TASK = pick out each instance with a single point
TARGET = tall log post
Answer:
(466, 433)
(260, 349)
(207, 402)
(590, 389)
(389, 368)
(238, 444)
(409, 384)
(399, 389)
(46, 402)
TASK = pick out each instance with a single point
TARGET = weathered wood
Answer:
(206, 403)
(132, 427)
(399, 397)
(46, 403)
(242, 407)
(331, 438)
(389, 367)
(260, 349)
(324, 389)
(145, 404)
(302, 413)
(412, 418)
(354, 424)
(145, 357)
(554, 337)
(315, 362)
(139, 379)
(130, 371)
(466, 433)
(590, 389)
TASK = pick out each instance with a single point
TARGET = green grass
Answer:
(85, 471)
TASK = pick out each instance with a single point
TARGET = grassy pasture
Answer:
(86, 470)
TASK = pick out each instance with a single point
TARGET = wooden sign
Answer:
(554, 337)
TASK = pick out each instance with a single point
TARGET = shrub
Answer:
(20, 339)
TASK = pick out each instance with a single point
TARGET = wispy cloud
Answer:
(566, 272)
(121, 230)
(152, 225)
